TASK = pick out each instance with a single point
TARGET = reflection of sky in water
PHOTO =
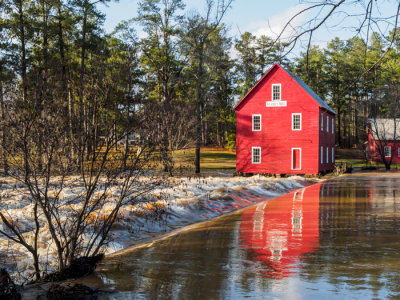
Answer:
(335, 240)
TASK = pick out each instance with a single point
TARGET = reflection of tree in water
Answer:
(359, 240)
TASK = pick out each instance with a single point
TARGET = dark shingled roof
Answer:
(310, 91)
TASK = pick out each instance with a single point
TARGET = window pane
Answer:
(388, 151)
(256, 155)
(327, 123)
(276, 92)
(322, 122)
(256, 123)
(327, 155)
(296, 122)
(322, 155)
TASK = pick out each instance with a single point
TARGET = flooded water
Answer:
(335, 240)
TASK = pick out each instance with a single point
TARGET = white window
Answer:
(276, 92)
(327, 155)
(333, 125)
(388, 151)
(296, 121)
(256, 122)
(322, 155)
(327, 123)
(322, 122)
(256, 155)
(399, 152)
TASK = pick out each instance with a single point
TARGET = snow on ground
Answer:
(177, 202)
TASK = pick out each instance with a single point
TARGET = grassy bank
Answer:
(210, 158)
(356, 158)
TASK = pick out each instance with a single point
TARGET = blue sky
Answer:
(256, 16)
(243, 13)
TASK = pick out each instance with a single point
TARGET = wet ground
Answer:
(339, 239)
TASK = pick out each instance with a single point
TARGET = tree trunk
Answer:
(218, 138)
(339, 124)
(164, 147)
(356, 121)
(70, 126)
(66, 94)
(199, 106)
(127, 131)
(3, 131)
(82, 81)
(23, 49)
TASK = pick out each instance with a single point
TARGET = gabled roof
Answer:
(385, 129)
(298, 80)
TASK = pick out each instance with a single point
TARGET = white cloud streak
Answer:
(275, 24)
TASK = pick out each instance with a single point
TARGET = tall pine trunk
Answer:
(22, 49)
(3, 130)
(64, 77)
(82, 84)
(199, 99)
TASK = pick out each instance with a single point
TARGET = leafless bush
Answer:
(65, 225)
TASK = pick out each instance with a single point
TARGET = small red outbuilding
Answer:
(383, 140)
(283, 127)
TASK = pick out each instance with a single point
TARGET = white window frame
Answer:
(252, 155)
(390, 151)
(327, 155)
(322, 155)
(292, 158)
(322, 122)
(252, 122)
(327, 123)
(333, 125)
(280, 92)
(293, 115)
(333, 154)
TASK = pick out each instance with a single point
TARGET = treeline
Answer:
(359, 78)
(175, 87)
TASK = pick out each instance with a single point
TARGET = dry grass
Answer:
(210, 158)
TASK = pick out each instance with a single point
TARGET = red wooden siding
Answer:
(372, 148)
(276, 138)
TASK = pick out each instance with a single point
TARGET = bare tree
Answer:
(77, 225)
(386, 138)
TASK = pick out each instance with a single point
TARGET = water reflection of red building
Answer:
(278, 232)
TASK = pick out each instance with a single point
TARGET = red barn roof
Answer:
(299, 82)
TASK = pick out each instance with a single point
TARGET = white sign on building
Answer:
(276, 103)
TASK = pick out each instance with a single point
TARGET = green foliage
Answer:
(358, 78)
(56, 51)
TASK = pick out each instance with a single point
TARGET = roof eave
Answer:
(254, 87)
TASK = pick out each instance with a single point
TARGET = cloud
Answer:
(275, 24)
